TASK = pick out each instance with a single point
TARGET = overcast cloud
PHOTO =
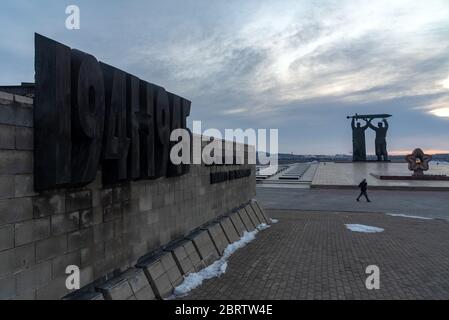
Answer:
(299, 66)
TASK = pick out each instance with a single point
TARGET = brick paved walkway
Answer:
(313, 256)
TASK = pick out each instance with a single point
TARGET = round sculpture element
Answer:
(418, 162)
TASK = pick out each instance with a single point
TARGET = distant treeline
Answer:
(284, 158)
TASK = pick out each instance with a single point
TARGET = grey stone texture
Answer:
(7, 137)
(101, 229)
(218, 238)
(237, 223)
(252, 215)
(24, 138)
(118, 290)
(261, 212)
(258, 214)
(31, 231)
(246, 220)
(205, 247)
(88, 295)
(129, 285)
(194, 255)
(229, 230)
(6, 186)
(6, 237)
(163, 274)
(186, 257)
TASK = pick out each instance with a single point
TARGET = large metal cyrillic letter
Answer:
(133, 106)
(88, 102)
(116, 142)
(52, 128)
(186, 105)
(146, 130)
(175, 123)
(162, 111)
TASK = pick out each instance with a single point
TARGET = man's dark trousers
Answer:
(363, 193)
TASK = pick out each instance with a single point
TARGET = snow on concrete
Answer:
(194, 280)
(408, 216)
(274, 220)
(363, 228)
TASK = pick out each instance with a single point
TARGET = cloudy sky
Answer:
(298, 66)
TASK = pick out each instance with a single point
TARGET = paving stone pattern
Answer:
(312, 255)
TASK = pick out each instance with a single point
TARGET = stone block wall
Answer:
(100, 229)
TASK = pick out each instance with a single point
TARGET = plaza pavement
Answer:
(312, 255)
(349, 174)
(432, 204)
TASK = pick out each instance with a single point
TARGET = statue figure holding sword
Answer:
(358, 136)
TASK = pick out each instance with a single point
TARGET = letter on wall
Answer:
(52, 127)
(88, 107)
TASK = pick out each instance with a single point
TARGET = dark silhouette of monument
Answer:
(358, 136)
(381, 139)
(358, 141)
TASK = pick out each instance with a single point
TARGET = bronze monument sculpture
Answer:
(358, 136)
(358, 141)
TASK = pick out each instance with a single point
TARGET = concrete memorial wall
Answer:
(114, 233)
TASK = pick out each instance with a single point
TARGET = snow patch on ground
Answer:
(274, 220)
(194, 280)
(363, 228)
(408, 216)
(263, 226)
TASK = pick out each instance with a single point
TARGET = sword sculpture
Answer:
(369, 116)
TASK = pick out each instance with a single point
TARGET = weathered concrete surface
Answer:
(101, 229)
(312, 255)
(238, 223)
(229, 230)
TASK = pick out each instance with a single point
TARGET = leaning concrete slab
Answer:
(238, 223)
(246, 220)
(252, 215)
(131, 285)
(259, 213)
(203, 243)
(186, 257)
(139, 284)
(172, 270)
(116, 289)
(182, 259)
(218, 237)
(229, 230)
(162, 273)
(194, 255)
(263, 212)
(85, 296)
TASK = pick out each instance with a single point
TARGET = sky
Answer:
(297, 66)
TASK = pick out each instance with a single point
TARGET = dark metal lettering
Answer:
(52, 127)
(88, 107)
(116, 141)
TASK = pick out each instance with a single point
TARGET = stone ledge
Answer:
(162, 273)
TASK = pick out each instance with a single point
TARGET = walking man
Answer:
(363, 187)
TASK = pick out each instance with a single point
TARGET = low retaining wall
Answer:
(156, 276)
(104, 231)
